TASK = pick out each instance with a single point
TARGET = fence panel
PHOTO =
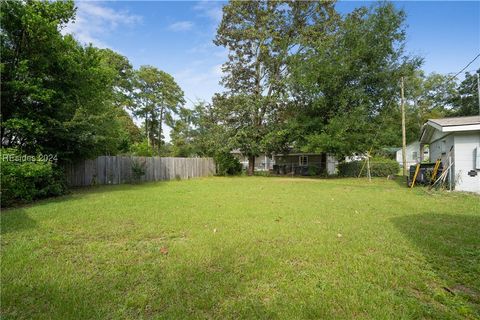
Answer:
(118, 169)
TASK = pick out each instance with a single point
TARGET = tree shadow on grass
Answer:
(451, 245)
(15, 220)
(203, 289)
(78, 193)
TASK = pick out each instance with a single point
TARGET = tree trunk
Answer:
(146, 131)
(160, 132)
(251, 165)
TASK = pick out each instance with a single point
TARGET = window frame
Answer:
(301, 162)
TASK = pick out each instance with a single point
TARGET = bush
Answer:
(138, 170)
(262, 173)
(313, 171)
(379, 167)
(142, 149)
(24, 180)
(227, 164)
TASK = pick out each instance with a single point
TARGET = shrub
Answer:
(227, 164)
(26, 180)
(379, 167)
(262, 173)
(313, 171)
(138, 170)
(142, 149)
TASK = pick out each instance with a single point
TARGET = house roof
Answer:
(459, 121)
(457, 124)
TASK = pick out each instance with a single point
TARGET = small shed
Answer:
(456, 141)
(415, 153)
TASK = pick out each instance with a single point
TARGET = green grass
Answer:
(246, 247)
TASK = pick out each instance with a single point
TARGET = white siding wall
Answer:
(440, 148)
(411, 158)
(465, 144)
(332, 164)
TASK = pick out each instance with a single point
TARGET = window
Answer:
(414, 155)
(303, 160)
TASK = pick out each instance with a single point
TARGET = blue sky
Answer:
(177, 36)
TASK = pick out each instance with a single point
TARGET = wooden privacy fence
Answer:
(120, 169)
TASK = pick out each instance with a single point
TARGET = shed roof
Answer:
(458, 121)
(457, 124)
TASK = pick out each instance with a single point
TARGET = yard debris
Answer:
(164, 250)
(448, 290)
(339, 235)
(215, 230)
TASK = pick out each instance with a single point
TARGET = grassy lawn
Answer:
(235, 248)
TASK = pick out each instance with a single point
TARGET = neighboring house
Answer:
(456, 140)
(356, 157)
(415, 154)
(262, 162)
(301, 163)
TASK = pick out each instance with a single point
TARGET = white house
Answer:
(456, 141)
(262, 163)
(415, 154)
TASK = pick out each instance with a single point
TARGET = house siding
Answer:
(313, 160)
(411, 159)
(465, 145)
(325, 162)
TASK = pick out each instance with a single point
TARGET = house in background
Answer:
(262, 162)
(297, 163)
(300, 163)
(415, 154)
(456, 141)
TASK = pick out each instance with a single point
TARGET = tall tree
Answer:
(261, 36)
(465, 100)
(346, 83)
(56, 94)
(122, 74)
(157, 98)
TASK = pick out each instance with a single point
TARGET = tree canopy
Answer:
(64, 98)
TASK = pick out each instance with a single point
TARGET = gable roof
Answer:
(459, 121)
(457, 124)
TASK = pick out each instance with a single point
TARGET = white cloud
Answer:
(200, 82)
(217, 70)
(210, 9)
(94, 21)
(181, 26)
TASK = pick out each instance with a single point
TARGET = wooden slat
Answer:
(118, 169)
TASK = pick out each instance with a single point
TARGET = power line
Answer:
(451, 78)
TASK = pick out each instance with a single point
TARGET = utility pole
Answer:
(404, 134)
(478, 92)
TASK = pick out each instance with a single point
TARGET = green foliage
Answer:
(227, 164)
(313, 171)
(157, 98)
(57, 95)
(24, 181)
(260, 37)
(142, 149)
(345, 83)
(138, 169)
(183, 135)
(379, 167)
(465, 100)
(262, 174)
